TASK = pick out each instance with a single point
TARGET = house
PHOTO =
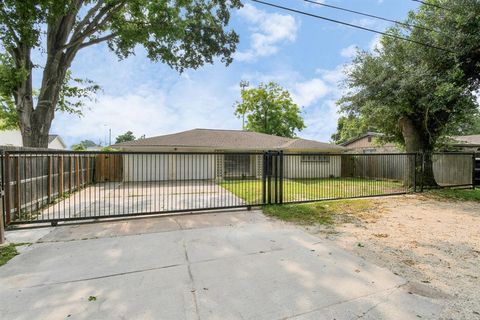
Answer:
(470, 143)
(13, 138)
(368, 143)
(217, 154)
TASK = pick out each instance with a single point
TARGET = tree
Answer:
(350, 127)
(78, 147)
(416, 94)
(127, 136)
(182, 34)
(84, 145)
(269, 109)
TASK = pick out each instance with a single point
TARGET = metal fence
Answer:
(51, 186)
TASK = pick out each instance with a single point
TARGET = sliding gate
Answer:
(52, 186)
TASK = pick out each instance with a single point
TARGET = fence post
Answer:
(415, 173)
(474, 170)
(264, 179)
(49, 179)
(6, 184)
(422, 175)
(61, 176)
(2, 196)
(18, 200)
(280, 171)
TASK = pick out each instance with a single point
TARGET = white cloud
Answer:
(308, 92)
(375, 43)
(187, 104)
(269, 31)
(349, 52)
(366, 23)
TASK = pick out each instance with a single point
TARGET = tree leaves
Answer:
(269, 109)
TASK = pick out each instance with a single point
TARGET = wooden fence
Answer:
(449, 169)
(454, 169)
(34, 180)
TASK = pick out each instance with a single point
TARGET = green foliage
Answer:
(74, 93)
(72, 97)
(324, 213)
(78, 147)
(350, 127)
(457, 194)
(431, 88)
(269, 109)
(83, 145)
(8, 114)
(182, 34)
(127, 136)
(9, 251)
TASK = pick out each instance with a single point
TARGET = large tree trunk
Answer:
(35, 122)
(415, 142)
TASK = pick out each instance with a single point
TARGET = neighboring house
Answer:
(368, 143)
(469, 143)
(56, 142)
(300, 162)
(13, 138)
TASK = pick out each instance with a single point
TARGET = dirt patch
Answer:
(434, 244)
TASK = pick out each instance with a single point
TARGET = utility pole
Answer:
(110, 136)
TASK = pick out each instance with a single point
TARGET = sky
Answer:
(305, 55)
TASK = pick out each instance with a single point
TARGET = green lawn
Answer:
(457, 194)
(325, 212)
(314, 189)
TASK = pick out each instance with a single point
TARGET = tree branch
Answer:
(101, 18)
(10, 28)
(98, 40)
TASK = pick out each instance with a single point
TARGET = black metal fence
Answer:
(51, 186)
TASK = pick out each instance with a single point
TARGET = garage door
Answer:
(162, 167)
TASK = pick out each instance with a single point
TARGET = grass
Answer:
(314, 189)
(8, 252)
(323, 213)
(457, 194)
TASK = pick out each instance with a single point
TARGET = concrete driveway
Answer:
(229, 265)
(114, 198)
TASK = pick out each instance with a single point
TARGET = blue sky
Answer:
(303, 54)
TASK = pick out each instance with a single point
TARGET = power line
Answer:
(351, 25)
(431, 4)
(370, 15)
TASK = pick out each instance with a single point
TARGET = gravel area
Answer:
(434, 244)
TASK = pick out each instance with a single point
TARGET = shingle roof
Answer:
(52, 137)
(467, 140)
(366, 134)
(229, 140)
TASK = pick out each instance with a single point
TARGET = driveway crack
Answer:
(192, 281)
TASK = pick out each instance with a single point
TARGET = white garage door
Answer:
(161, 167)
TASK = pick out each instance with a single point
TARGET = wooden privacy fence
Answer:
(34, 180)
(398, 167)
(449, 169)
(454, 169)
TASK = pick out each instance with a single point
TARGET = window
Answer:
(237, 165)
(315, 158)
(369, 150)
(369, 139)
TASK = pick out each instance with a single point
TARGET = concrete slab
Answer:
(232, 265)
(115, 198)
(27, 235)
